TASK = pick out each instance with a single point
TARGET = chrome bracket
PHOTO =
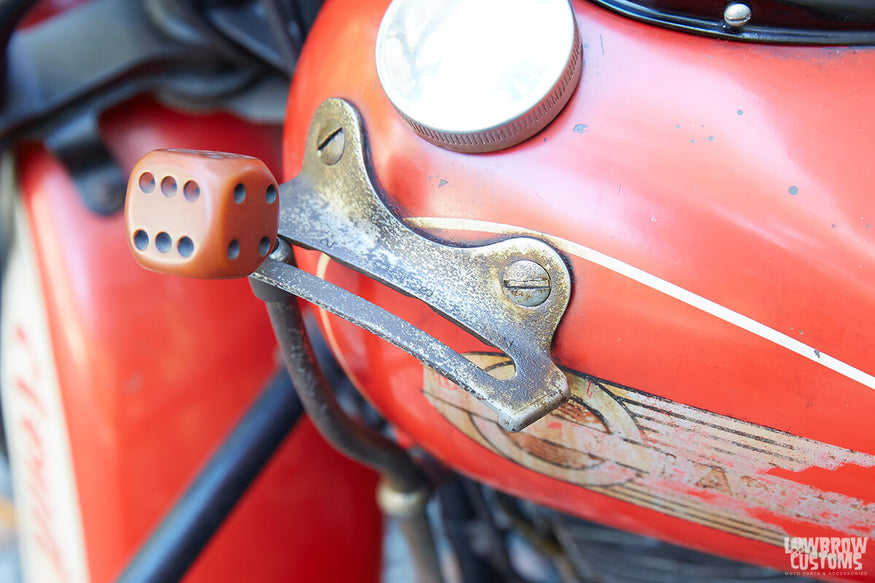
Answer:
(334, 206)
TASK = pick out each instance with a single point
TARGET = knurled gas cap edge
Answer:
(478, 75)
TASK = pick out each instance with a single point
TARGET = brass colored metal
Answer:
(335, 208)
(330, 142)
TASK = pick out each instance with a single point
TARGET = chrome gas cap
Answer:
(478, 75)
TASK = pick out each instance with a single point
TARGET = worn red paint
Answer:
(646, 185)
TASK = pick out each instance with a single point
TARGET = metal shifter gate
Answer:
(511, 294)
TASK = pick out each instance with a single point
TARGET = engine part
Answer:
(409, 510)
(608, 555)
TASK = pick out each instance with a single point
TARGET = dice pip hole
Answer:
(264, 246)
(147, 182)
(233, 249)
(141, 238)
(191, 191)
(185, 246)
(239, 193)
(163, 242)
(168, 186)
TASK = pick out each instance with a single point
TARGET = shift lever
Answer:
(201, 214)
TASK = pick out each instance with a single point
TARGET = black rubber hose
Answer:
(350, 438)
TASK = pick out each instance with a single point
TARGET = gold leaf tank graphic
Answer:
(682, 461)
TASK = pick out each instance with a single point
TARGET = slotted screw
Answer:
(330, 142)
(526, 283)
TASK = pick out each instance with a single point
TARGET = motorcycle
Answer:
(599, 270)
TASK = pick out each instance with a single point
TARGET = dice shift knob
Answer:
(201, 214)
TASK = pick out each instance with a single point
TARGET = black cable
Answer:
(350, 438)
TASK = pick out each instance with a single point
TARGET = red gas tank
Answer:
(118, 384)
(711, 199)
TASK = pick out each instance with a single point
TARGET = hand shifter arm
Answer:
(333, 206)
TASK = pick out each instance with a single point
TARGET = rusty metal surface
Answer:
(334, 207)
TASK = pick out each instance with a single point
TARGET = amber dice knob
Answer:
(201, 214)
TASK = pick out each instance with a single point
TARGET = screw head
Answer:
(737, 14)
(525, 283)
(330, 142)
